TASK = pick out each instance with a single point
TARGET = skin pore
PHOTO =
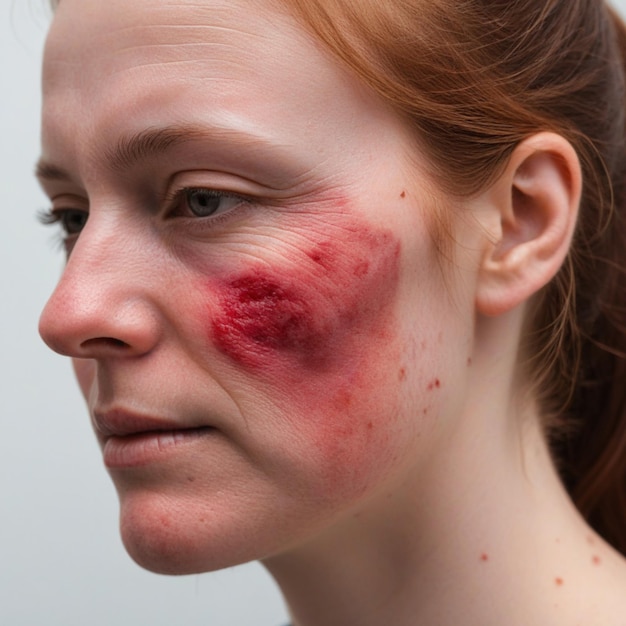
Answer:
(278, 363)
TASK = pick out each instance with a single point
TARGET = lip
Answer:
(131, 440)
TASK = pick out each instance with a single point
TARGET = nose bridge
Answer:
(101, 301)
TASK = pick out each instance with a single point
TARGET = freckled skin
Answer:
(315, 323)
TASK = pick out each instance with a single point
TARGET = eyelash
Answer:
(50, 217)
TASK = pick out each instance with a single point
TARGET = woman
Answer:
(345, 287)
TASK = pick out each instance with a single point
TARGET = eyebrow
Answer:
(152, 142)
(47, 171)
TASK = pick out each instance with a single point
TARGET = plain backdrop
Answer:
(61, 559)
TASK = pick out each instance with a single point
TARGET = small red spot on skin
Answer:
(435, 384)
(469, 361)
(484, 557)
(402, 374)
(596, 560)
(558, 582)
(403, 194)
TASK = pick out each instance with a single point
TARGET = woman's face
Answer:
(255, 306)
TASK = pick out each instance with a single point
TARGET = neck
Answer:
(481, 533)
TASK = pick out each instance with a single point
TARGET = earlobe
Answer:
(536, 203)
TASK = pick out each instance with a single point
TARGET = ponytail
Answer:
(595, 457)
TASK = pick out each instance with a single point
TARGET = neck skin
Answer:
(481, 534)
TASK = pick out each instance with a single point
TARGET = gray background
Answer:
(61, 560)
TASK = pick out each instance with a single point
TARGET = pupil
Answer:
(203, 203)
(74, 221)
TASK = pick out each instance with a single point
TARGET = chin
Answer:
(178, 538)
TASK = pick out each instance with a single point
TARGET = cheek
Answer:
(318, 331)
(85, 371)
(308, 312)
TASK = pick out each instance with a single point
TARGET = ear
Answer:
(533, 207)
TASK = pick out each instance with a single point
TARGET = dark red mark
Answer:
(469, 361)
(315, 323)
(484, 557)
(558, 582)
(403, 194)
(402, 373)
(596, 559)
(322, 254)
(426, 411)
(434, 384)
(266, 313)
(307, 312)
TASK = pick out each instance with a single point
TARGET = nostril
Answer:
(105, 342)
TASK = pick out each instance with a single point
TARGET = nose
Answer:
(101, 307)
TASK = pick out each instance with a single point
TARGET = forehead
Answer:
(113, 37)
(117, 67)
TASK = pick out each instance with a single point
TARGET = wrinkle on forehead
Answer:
(183, 43)
(167, 31)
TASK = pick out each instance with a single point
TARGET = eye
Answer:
(72, 221)
(207, 202)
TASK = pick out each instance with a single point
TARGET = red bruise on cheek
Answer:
(258, 311)
(310, 309)
(319, 325)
